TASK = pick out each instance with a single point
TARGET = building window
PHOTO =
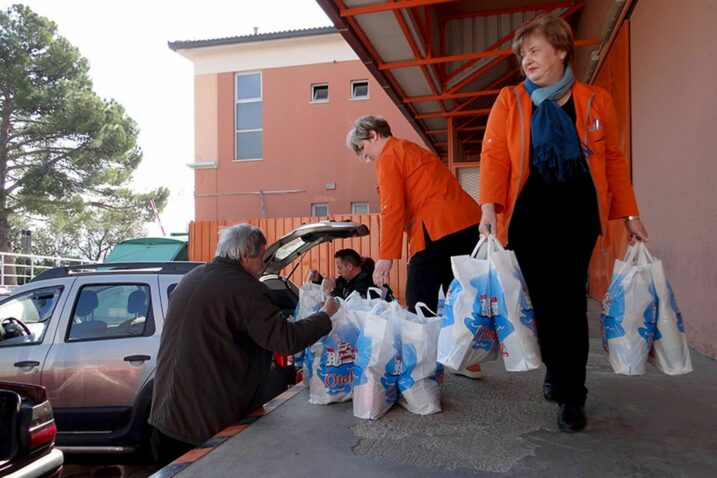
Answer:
(320, 93)
(320, 209)
(249, 131)
(359, 208)
(359, 90)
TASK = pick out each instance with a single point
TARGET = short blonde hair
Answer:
(554, 29)
(362, 131)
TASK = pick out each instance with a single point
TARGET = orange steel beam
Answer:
(376, 57)
(436, 131)
(471, 128)
(450, 96)
(350, 12)
(481, 71)
(500, 11)
(466, 56)
(473, 62)
(416, 53)
(481, 112)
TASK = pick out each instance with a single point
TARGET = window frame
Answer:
(237, 101)
(314, 87)
(353, 97)
(59, 288)
(150, 326)
(362, 203)
(319, 204)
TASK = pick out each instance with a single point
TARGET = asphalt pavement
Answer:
(652, 425)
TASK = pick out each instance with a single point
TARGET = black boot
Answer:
(571, 417)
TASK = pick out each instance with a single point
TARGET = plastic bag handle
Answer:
(419, 311)
(478, 246)
(638, 254)
(375, 290)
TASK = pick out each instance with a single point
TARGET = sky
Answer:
(125, 42)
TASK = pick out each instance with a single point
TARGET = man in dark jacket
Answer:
(355, 273)
(219, 334)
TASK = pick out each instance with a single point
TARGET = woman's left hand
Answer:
(637, 230)
(380, 273)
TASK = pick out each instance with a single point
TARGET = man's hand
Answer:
(380, 273)
(331, 306)
(329, 284)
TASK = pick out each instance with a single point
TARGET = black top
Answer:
(361, 283)
(563, 205)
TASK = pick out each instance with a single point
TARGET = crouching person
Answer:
(216, 349)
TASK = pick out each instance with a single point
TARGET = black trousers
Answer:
(556, 275)
(166, 449)
(553, 233)
(430, 269)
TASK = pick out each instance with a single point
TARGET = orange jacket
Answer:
(505, 159)
(417, 189)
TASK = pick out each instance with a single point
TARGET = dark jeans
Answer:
(430, 269)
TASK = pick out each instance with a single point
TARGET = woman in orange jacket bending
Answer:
(552, 174)
(418, 195)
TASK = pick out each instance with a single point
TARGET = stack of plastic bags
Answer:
(640, 319)
(396, 361)
(487, 311)
(377, 353)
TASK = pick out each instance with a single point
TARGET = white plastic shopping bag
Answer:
(467, 334)
(514, 317)
(629, 312)
(310, 297)
(329, 363)
(421, 376)
(378, 362)
(669, 353)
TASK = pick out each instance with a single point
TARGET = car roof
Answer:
(106, 268)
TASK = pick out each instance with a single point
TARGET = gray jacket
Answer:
(219, 333)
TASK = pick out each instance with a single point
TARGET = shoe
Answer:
(549, 392)
(471, 371)
(571, 417)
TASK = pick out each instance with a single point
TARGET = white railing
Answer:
(17, 269)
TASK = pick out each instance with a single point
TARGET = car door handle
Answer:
(137, 358)
(27, 363)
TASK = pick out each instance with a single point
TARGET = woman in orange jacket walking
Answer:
(418, 195)
(552, 175)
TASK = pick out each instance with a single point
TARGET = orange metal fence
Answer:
(203, 242)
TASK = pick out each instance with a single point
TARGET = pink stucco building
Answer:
(271, 116)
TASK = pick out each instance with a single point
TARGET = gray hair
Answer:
(238, 240)
(362, 131)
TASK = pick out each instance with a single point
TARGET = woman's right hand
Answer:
(489, 220)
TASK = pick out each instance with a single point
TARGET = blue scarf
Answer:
(556, 148)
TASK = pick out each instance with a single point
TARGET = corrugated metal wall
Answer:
(203, 242)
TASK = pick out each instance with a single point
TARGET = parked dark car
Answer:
(90, 335)
(27, 433)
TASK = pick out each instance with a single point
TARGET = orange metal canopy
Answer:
(443, 62)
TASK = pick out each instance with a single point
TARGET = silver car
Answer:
(90, 336)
